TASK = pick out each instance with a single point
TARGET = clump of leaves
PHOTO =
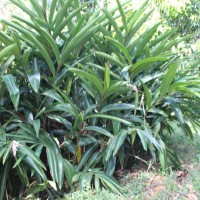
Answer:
(81, 92)
(181, 14)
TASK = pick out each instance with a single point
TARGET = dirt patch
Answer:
(158, 187)
(156, 184)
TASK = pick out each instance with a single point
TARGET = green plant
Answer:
(182, 14)
(139, 184)
(81, 92)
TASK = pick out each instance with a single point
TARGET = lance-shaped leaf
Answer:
(98, 130)
(109, 182)
(117, 106)
(69, 170)
(178, 112)
(3, 178)
(31, 38)
(86, 156)
(54, 95)
(106, 78)
(167, 80)
(108, 117)
(147, 95)
(35, 81)
(109, 58)
(119, 141)
(94, 80)
(7, 50)
(121, 47)
(12, 89)
(123, 15)
(36, 125)
(144, 64)
(38, 188)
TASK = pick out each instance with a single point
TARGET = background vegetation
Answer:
(84, 94)
(182, 14)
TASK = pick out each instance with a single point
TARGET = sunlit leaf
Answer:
(35, 81)
(12, 89)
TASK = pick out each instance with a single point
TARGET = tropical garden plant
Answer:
(183, 14)
(82, 93)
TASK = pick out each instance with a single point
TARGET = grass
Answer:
(154, 185)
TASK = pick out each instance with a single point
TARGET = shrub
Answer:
(82, 92)
(182, 14)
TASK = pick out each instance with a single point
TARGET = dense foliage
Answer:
(83, 93)
(184, 14)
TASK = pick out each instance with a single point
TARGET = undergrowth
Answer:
(156, 185)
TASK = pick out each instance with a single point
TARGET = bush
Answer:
(183, 15)
(81, 93)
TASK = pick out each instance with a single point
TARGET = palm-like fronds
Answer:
(79, 90)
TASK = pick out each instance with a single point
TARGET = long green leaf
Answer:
(54, 95)
(103, 69)
(38, 188)
(147, 61)
(142, 138)
(106, 78)
(6, 153)
(114, 24)
(34, 40)
(121, 47)
(69, 173)
(29, 153)
(120, 140)
(24, 8)
(61, 13)
(98, 130)
(44, 6)
(80, 37)
(168, 78)
(52, 167)
(86, 156)
(38, 9)
(94, 80)
(35, 166)
(111, 183)
(52, 11)
(51, 42)
(147, 96)
(121, 10)
(5, 38)
(108, 117)
(12, 89)
(110, 59)
(7, 50)
(177, 111)
(36, 125)
(4, 177)
(117, 106)
(136, 27)
(34, 80)
(144, 65)
(62, 25)
(60, 171)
